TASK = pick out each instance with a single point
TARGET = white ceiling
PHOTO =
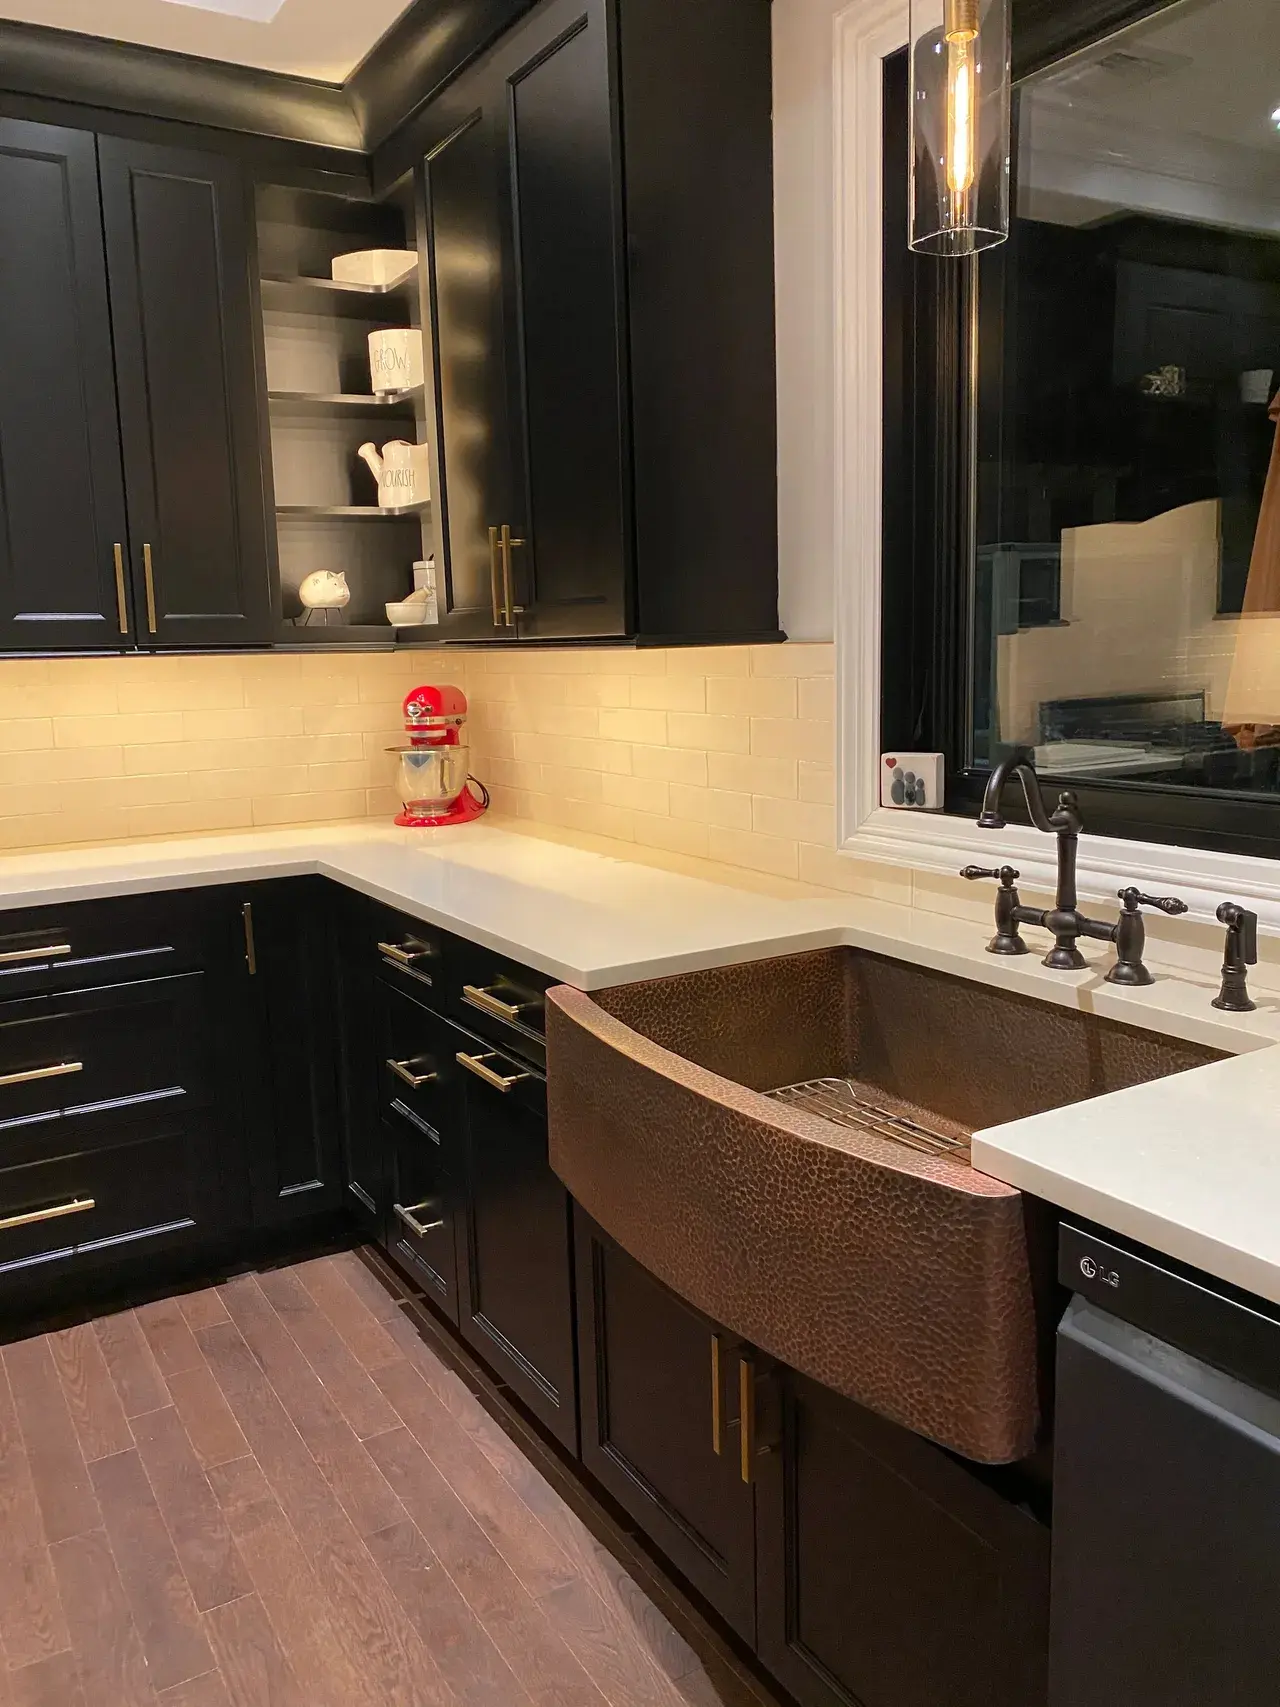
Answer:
(306, 38)
(1172, 117)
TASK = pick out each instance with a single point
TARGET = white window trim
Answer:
(859, 36)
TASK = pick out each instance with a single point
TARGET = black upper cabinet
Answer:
(62, 514)
(599, 239)
(179, 248)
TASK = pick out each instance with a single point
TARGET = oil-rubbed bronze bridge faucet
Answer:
(1064, 919)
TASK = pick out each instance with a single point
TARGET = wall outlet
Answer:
(912, 781)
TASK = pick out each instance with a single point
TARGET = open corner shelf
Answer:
(301, 292)
(354, 512)
(344, 402)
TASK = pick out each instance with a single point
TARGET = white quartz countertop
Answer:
(1189, 1165)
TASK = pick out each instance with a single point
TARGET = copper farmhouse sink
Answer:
(785, 1144)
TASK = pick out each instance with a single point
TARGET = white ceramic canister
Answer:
(395, 359)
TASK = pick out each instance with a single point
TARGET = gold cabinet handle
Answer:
(505, 546)
(404, 1070)
(493, 576)
(717, 1418)
(747, 1408)
(491, 1004)
(250, 947)
(149, 577)
(476, 1064)
(410, 1216)
(402, 954)
(77, 1206)
(59, 1070)
(49, 952)
(122, 609)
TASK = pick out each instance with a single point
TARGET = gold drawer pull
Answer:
(15, 954)
(488, 1003)
(476, 1064)
(58, 1071)
(403, 954)
(77, 1206)
(717, 1421)
(747, 1408)
(148, 576)
(404, 1070)
(122, 609)
(409, 1216)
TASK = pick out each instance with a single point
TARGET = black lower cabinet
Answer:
(890, 1575)
(661, 1424)
(516, 1280)
(120, 1139)
(284, 940)
(422, 1130)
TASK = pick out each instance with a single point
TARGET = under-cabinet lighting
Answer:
(254, 11)
(960, 137)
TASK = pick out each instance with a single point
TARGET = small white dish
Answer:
(384, 267)
(408, 613)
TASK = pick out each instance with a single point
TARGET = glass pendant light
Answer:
(959, 125)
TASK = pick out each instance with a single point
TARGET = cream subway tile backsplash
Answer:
(711, 752)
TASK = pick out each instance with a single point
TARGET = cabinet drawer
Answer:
(417, 1071)
(88, 943)
(422, 1212)
(98, 1053)
(404, 948)
(499, 998)
(91, 1205)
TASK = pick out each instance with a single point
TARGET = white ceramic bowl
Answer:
(407, 614)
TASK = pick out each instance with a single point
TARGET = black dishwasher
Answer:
(1166, 1534)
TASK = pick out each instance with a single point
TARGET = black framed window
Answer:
(1082, 539)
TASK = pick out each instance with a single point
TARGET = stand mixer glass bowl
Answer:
(432, 778)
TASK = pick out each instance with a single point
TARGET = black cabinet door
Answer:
(62, 517)
(290, 1050)
(659, 1391)
(889, 1576)
(563, 296)
(180, 257)
(363, 1143)
(524, 247)
(477, 444)
(516, 1283)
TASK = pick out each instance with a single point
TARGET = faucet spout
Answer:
(1020, 763)
(1064, 823)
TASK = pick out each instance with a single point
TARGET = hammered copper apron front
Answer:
(899, 1278)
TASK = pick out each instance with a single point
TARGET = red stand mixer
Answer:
(435, 782)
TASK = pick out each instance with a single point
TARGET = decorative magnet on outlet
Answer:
(912, 781)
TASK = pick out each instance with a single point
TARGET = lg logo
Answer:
(1105, 1276)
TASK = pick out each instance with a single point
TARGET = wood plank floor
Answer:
(273, 1494)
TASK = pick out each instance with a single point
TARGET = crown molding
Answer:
(63, 65)
(422, 51)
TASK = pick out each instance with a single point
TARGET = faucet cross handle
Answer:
(1134, 898)
(1130, 935)
(1008, 907)
(1005, 875)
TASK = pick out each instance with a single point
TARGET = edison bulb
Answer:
(962, 100)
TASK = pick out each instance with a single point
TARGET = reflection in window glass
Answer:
(1127, 566)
